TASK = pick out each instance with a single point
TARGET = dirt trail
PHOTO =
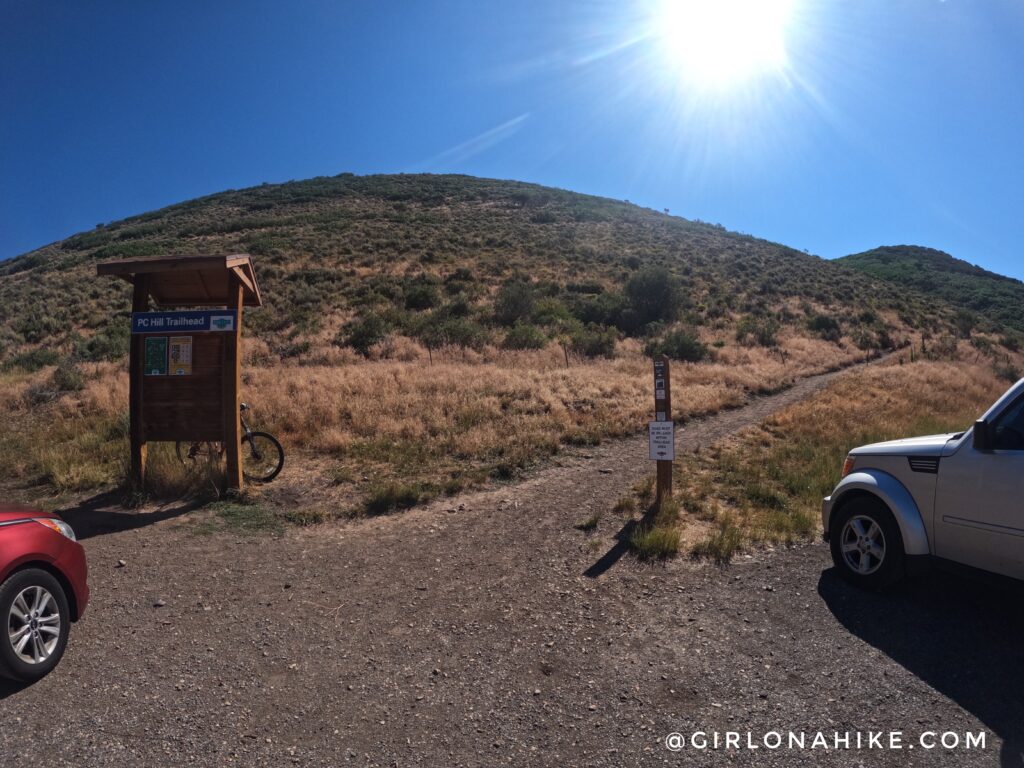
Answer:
(467, 633)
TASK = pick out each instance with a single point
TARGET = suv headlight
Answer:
(57, 525)
(848, 465)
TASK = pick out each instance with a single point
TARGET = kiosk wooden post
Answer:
(140, 303)
(185, 366)
(232, 384)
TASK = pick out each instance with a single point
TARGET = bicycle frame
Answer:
(246, 431)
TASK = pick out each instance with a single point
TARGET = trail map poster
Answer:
(181, 355)
(156, 356)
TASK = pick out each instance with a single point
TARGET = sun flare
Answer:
(714, 44)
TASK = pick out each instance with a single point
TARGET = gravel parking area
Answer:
(468, 633)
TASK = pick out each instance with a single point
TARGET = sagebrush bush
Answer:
(362, 334)
(654, 296)
(826, 327)
(67, 378)
(594, 341)
(524, 336)
(760, 330)
(514, 302)
(679, 345)
(34, 360)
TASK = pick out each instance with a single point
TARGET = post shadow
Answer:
(103, 514)
(621, 546)
(962, 636)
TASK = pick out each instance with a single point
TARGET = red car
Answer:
(42, 591)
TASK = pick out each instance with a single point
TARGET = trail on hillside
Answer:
(462, 633)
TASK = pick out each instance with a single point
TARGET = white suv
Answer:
(956, 497)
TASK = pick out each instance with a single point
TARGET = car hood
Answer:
(930, 445)
(9, 513)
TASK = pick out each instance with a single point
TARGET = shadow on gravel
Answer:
(962, 636)
(103, 514)
(613, 555)
(9, 688)
(621, 546)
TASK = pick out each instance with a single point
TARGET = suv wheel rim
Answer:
(863, 545)
(33, 625)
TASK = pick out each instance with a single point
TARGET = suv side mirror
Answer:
(983, 437)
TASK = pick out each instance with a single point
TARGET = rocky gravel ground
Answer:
(488, 631)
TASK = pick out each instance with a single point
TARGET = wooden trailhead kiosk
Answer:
(185, 356)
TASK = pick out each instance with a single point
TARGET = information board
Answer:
(155, 360)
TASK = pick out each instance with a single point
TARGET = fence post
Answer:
(662, 430)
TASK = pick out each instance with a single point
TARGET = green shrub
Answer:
(33, 360)
(1011, 342)
(67, 378)
(759, 330)
(38, 328)
(439, 329)
(550, 311)
(964, 322)
(464, 332)
(109, 343)
(1008, 372)
(422, 296)
(653, 295)
(604, 309)
(594, 341)
(826, 327)
(294, 348)
(363, 333)
(679, 345)
(944, 347)
(523, 336)
(514, 302)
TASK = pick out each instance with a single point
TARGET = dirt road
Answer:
(475, 637)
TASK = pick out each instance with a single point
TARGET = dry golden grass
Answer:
(766, 484)
(385, 433)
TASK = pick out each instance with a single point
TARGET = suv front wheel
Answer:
(866, 544)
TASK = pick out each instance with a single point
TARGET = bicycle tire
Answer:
(274, 461)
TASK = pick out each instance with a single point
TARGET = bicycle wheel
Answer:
(262, 457)
(194, 455)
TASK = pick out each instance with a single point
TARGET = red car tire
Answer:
(36, 622)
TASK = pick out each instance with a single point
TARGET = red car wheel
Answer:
(37, 623)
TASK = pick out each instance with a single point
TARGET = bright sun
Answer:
(717, 44)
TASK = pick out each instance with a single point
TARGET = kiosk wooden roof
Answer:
(190, 281)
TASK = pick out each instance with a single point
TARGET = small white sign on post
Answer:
(662, 436)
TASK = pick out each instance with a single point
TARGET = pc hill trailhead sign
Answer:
(185, 358)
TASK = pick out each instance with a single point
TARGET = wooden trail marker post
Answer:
(661, 431)
(185, 367)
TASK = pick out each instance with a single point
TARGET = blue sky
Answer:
(889, 121)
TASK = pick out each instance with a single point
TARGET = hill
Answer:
(423, 333)
(996, 298)
(329, 249)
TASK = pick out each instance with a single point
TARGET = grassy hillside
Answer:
(423, 333)
(330, 249)
(985, 299)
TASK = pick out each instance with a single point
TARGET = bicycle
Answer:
(262, 455)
